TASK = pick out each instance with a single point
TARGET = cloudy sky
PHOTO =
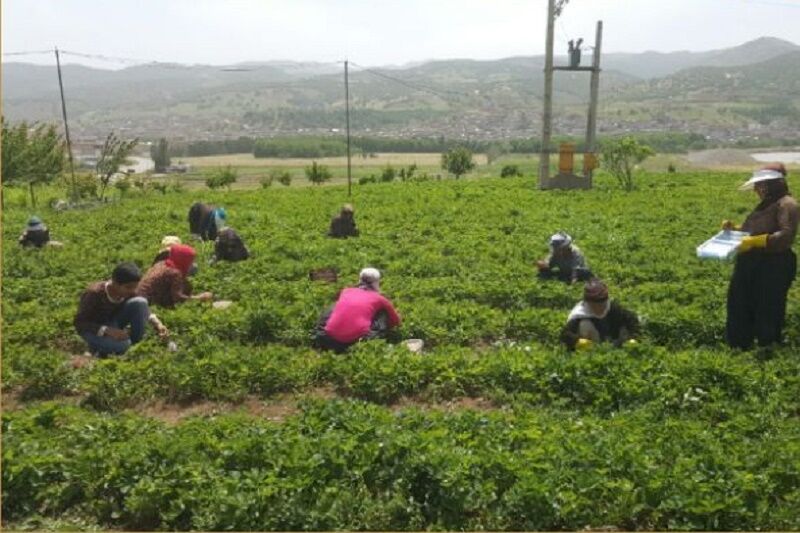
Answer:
(375, 32)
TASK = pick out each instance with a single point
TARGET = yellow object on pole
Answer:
(566, 159)
(589, 162)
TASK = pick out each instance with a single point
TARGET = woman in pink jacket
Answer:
(360, 313)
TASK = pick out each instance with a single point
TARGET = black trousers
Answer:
(757, 298)
(378, 330)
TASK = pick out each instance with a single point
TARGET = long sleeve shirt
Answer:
(164, 286)
(778, 220)
(352, 315)
(95, 309)
(567, 263)
(609, 326)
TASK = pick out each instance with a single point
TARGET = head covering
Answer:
(370, 277)
(557, 240)
(34, 221)
(778, 167)
(347, 208)
(595, 291)
(220, 213)
(170, 240)
(181, 257)
(765, 174)
(126, 273)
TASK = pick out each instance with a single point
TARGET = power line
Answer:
(28, 53)
(441, 93)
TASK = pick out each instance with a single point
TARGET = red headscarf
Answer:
(181, 257)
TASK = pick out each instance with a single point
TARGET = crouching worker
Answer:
(361, 313)
(111, 317)
(598, 319)
(166, 283)
(35, 234)
(205, 220)
(565, 261)
(343, 225)
(230, 247)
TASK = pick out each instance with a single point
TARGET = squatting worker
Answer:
(360, 313)
(765, 263)
(565, 261)
(111, 317)
(597, 318)
(343, 225)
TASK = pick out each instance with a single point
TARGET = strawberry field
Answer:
(494, 426)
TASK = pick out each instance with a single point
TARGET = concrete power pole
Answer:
(347, 113)
(547, 113)
(591, 123)
(74, 192)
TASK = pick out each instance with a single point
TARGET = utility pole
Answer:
(66, 128)
(591, 123)
(547, 114)
(347, 112)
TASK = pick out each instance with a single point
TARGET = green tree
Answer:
(317, 174)
(458, 161)
(620, 157)
(31, 155)
(159, 152)
(115, 153)
(222, 177)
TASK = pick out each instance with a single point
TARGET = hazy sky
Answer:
(376, 32)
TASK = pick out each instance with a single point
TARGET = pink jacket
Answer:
(353, 313)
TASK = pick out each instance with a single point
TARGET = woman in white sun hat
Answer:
(765, 263)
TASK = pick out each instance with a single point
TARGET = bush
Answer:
(510, 171)
(318, 174)
(388, 174)
(223, 177)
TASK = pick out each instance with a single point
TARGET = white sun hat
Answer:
(370, 276)
(759, 176)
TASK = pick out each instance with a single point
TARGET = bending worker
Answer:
(765, 263)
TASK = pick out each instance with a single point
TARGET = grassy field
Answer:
(495, 426)
(252, 170)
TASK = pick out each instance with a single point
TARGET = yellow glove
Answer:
(749, 243)
(583, 344)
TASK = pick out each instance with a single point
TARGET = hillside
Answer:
(454, 98)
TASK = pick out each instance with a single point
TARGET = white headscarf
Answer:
(370, 278)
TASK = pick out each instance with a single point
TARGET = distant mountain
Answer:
(456, 98)
(658, 64)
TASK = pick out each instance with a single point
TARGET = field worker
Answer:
(565, 261)
(163, 253)
(597, 318)
(35, 234)
(166, 283)
(229, 246)
(343, 225)
(206, 220)
(360, 313)
(765, 263)
(108, 308)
